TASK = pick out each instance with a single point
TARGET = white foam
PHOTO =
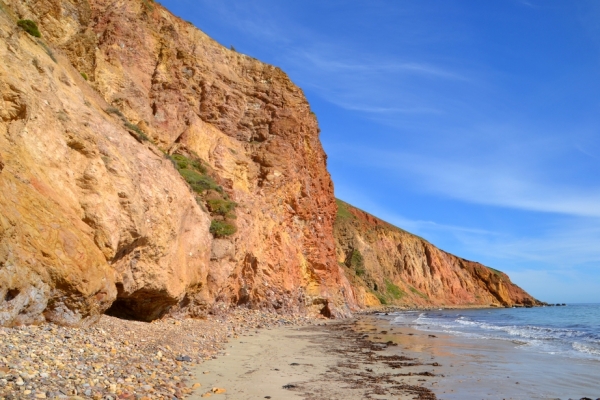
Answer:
(583, 348)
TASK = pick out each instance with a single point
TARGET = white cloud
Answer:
(512, 183)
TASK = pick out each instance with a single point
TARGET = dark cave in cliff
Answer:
(123, 310)
(143, 305)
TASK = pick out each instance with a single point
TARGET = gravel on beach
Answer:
(120, 359)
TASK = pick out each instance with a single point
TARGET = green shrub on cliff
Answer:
(221, 206)
(182, 162)
(195, 177)
(381, 298)
(357, 262)
(209, 195)
(30, 27)
(393, 290)
(222, 228)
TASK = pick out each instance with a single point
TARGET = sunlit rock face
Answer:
(387, 264)
(94, 219)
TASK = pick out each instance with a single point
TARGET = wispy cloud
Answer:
(505, 183)
(580, 149)
(330, 60)
(562, 247)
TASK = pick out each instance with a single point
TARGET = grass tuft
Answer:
(417, 292)
(494, 270)
(139, 133)
(116, 111)
(222, 228)
(343, 212)
(30, 27)
(221, 206)
(393, 290)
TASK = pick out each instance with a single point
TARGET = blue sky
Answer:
(474, 124)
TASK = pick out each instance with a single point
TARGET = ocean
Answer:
(516, 353)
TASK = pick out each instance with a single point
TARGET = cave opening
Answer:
(121, 309)
(143, 305)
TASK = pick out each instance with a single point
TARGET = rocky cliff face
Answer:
(92, 215)
(391, 266)
(147, 170)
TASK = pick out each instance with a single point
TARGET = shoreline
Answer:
(247, 353)
(123, 359)
(344, 359)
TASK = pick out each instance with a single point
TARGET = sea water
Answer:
(518, 353)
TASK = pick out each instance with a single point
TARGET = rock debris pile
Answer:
(119, 359)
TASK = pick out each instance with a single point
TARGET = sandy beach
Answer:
(256, 355)
(335, 360)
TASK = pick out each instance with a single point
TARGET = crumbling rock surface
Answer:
(138, 242)
(84, 208)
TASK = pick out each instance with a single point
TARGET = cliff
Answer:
(146, 170)
(94, 216)
(391, 266)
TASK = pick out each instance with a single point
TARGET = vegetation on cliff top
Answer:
(343, 212)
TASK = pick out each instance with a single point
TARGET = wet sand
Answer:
(477, 368)
(337, 360)
(369, 358)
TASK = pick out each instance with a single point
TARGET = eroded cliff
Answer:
(391, 266)
(93, 215)
(146, 170)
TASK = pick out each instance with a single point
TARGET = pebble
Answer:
(109, 361)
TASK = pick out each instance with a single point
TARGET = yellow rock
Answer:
(217, 390)
(196, 385)
(207, 394)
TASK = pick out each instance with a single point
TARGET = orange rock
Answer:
(94, 210)
(217, 390)
(408, 270)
